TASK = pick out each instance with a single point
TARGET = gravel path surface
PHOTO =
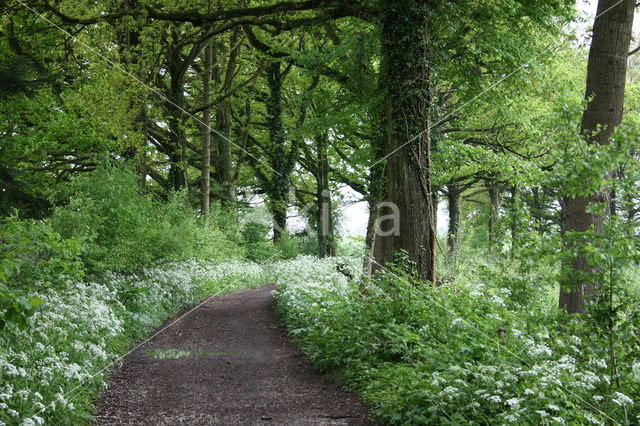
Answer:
(227, 363)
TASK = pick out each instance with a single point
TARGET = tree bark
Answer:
(515, 212)
(406, 48)
(175, 108)
(494, 207)
(453, 198)
(206, 130)
(377, 182)
(224, 162)
(606, 77)
(279, 187)
(324, 213)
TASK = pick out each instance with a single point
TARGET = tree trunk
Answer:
(494, 207)
(206, 130)
(515, 213)
(324, 211)
(224, 123)
(406, 51)
(175, 109)
(606, 76)
(279, 188)
(453, 198)
(370, 238)
(377, 182)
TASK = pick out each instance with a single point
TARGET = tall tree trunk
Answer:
(515, 212)
(279, 191)
(224, 167)
(606, 77)
(453, 198)
(494, 207)
(377, 182)
(224, 124)
(206, 130)
(324, 211)
(406, 48)
(175, 109)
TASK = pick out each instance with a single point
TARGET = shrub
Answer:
(32, 255)
(256, 243)
(123, 230)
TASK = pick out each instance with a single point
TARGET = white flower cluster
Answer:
(77, 330)
(308, 286)
(537, 377)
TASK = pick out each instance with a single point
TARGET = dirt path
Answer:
(227, 363)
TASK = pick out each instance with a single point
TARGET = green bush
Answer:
(287, 247)
(124, 230)
(32, 256)
(258, 247)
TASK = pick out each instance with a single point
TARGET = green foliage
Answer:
(287, 247)
(123, 230)
(32, 256)
(256, 242)
(351, 247)
(474, 351)
(51, 372)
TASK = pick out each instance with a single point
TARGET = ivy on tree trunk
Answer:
(407, 51)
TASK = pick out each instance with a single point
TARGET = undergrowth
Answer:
(467, 352)
(51, 372)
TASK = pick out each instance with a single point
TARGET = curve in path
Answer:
(227, 363)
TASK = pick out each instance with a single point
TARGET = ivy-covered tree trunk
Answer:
(406, 48)
(177, 137)
(224, 163)
(606, 77)
(205, 195)
(282, 162)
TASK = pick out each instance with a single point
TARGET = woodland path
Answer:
(229, 362)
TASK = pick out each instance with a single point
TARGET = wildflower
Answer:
(512, 402)
(497, 300)
(10, 369)
(635, 371)
(495, 398)
(511, 417)
(591, 419)
(621, 399)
